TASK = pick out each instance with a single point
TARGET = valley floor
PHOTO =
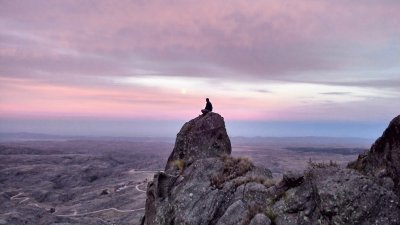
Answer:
(104, 182)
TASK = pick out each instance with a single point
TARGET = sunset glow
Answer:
(159, 60)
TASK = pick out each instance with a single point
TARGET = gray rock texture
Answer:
(203, 184)
(201, 137)
(382, 161)
(260, 219)
(332, 195)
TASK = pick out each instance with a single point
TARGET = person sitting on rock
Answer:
(208, 107)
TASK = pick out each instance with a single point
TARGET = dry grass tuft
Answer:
(233, 167)
(179, 164)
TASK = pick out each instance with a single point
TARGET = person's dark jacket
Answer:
(209, 106)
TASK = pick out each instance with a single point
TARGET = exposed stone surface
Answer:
(382, 161)
(336, 196)
(202, 137)
(237, 213)
(260, 219)
(292, 178)
(214, 188)
(192, 198)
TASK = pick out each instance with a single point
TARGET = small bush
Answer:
(315, 165)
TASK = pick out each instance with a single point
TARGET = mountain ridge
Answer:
(382, 160)
(212, 187)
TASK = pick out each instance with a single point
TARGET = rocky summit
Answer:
(203, 184)
(202, 137)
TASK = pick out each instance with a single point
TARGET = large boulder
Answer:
(202, 137)
(382, 161)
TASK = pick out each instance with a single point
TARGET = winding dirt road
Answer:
(138, 189)
(102, 210)
(76, 214)
(115, 209)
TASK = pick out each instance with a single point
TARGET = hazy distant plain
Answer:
(100, 180)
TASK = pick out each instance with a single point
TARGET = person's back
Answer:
(208, 107)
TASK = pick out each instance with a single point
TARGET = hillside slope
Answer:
(203, 184)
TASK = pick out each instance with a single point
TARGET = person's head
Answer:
(207, 100)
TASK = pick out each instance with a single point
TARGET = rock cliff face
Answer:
(203, 184)
(382, 161)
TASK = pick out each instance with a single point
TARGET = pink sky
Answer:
(158, 60)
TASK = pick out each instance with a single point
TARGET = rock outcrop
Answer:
(203, 184)
(201, 137)
(382, 161)
(331, 195)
